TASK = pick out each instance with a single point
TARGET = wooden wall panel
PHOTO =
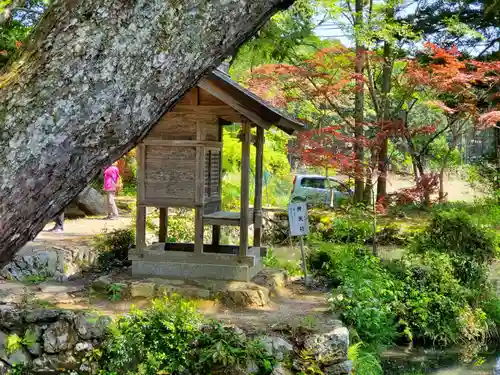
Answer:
(170, 172)
(207, 99)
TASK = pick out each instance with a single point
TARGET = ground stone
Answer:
(142, 289)
(277, 347)
(83, 346)
(91, 326)
(91, 202)
(342, 368)
(273, 279)
(10, 317)
(330, 347)
(184, 290)
(102, 284)
(42, 315)
(59, 337)
(51, 364)
(245, 294)
(279, 369)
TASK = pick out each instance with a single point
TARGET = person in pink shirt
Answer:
(111, 178)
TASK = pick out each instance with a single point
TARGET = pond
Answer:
(419, 361)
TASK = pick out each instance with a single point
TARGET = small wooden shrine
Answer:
(179, 165)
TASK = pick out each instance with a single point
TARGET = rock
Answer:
(13, 295)
(142, 289)
(273, 279)
(35, 349)
(342, 368)
(102, 284)
(496, 370)
(184, 290)
(83, 346)
(18, 357)
(245, 294)
(59, 337)
(277, 347)
(252, 367)
(51, 364)
(91, 326)
(4, 368)
(329, 348)
(91, 202)
(42, 315)
(279, 369)
(34, 334)
(10, 318)
(73, 212)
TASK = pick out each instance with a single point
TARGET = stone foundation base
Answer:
(181, 270)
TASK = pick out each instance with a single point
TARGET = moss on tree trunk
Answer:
(93, 79)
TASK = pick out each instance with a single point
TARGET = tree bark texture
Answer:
(383, 154)
(359, 106)
(93, 79)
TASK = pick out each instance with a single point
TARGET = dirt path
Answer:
(79, 232)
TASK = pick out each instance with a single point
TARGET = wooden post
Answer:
(257, 206)
(162, 236)
(198, 230)
(245, 191)
(140, 230)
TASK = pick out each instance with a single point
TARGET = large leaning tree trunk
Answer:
(93, 79)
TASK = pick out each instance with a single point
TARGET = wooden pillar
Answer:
(257, 206)
(245, 191)
(140, 231)
(162, 236)
(199, 192)
(140, 228)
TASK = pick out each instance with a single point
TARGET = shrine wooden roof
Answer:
(256, 109)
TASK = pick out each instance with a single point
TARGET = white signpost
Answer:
(299, 227)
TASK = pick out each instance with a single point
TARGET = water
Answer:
(397, 361)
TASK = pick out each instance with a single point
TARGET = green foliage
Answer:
(36, 279)
(352, 228)
(364, 360)
(172, 337)
(437, 294)
(471, 247)
(113, 247)
(16, 342)
(114, 292)
(271, 261)
(277, 179)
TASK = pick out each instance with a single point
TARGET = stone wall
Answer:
(46, 261)
(50, 339)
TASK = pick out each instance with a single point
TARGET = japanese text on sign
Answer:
(297, 217)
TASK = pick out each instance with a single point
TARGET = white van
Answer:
(317, 190)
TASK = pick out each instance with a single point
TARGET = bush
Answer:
(471, 247)
(341, 229)
(413, 299)
(365, 295)
(113, 247)
(172, 338)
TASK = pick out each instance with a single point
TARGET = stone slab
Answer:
(188, 271)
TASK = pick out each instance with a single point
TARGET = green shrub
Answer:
(113, 247)
(173, 338)
(471, 247)
(412, 299)
(271, 261)
(365, 293)
(341, 229)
